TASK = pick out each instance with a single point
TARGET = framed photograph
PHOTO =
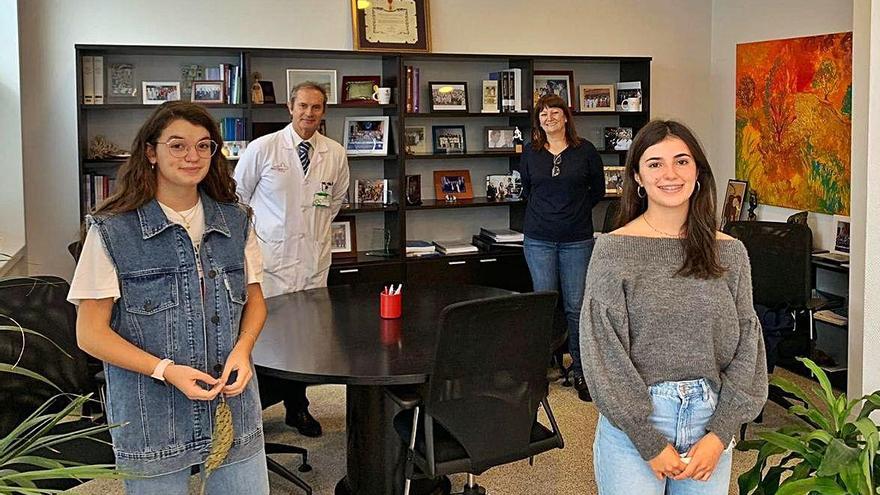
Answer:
(391, 25)
(448, 96)
(734, 198)
(554, 82)
(490, 97)
(618, 138)
(499, 138)
(343, 242)
(503, 187)
(614, 180)
(413, 190)
(358, 90)
(453, 184)
(263, 93)
(208, 91)
(120, 78)
(158, 92)
(449, 139)
(366, 136)
(370, 191)
(596, 97)
(629, 96)
(326, 78)
(841, 234)
(416, 139)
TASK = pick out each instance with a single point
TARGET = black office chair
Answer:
(39, 304)
(479, 407)
(268, 385)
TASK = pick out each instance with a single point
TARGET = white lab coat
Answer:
(294, 234)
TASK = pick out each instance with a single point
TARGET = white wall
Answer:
(12, 236)
(744, 21)
(675, 32)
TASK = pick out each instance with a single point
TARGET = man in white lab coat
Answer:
(295, 180)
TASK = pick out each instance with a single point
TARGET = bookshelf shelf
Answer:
(458, 156)
(434, 204)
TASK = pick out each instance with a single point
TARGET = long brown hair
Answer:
(136, 179)
(700, 246)
(539, 136)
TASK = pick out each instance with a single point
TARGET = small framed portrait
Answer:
(449, 139)
(416, 139)
(449, 184)
(157, 93)
(734, 198)
(208, 91)
(326, 78)
(618, 138)
(366, 136)
(554, 82)
(120, 78)
(358, 90)
(503, 187)
(596, 97)
(413, 190)
(490, 97)
(448, 96)
(499, 138)
(841, 234)
(613, 181)
(343, 242)
(391, 25)
(370, 191)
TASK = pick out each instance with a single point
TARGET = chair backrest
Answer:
(490, 374)
(610, 216)
(780, 258)
(38, 304)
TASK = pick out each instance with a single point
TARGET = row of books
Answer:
(233, 128)
(509, 89)
(412, 89)
(489, 240)
(93, 80)
(231, 76)
(97, 189)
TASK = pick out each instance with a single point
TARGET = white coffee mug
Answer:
(632, 105)
(382, 95)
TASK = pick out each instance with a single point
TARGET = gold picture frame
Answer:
(406, 23)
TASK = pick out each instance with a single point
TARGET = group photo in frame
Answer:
(734, 198)
(326, 78)
(208, 91)
(500, 138)
(391, 25)
(416, 139)
(555, 82)
(613, 180)
(596, 97)
(358, 90)
(343, 238)
(158, 92)
(449, 139)
(448, 96)
(453, 184)
(366, 136)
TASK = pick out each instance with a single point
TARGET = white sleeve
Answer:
(95, 275)
(247, 174)
(253, 258)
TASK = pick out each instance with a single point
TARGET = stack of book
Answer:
(412, 89)
(456, 247)
(420, 249)
(509, 89)
(502, 235)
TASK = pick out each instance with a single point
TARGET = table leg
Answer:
(375, 453)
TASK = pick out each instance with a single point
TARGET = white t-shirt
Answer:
(95, 276)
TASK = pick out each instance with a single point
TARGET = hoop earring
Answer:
(641, 191)
(698, 186)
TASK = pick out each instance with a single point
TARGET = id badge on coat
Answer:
(322, 197)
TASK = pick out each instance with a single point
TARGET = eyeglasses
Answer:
(557, 161)
(178, 148)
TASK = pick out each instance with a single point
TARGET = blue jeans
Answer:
(681, 412)
(562, 266)
(248, 476)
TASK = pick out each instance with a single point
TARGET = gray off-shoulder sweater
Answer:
(642, 324)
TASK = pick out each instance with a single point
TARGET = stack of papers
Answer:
(830, 316)
(502, 235)
(419, 249)
(456, 247)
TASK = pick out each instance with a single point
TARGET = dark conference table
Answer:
(335, 335)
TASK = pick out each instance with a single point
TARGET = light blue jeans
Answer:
(562, 266)
(681, 412)
(248, 476)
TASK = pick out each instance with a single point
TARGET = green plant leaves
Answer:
(825, 486)
(838, 457)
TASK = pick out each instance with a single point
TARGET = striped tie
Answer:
(303, 150)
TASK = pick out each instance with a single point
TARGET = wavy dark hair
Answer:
(136, 180)
(700, 246)
(539, 137)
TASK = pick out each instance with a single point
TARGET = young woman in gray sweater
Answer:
(671, 346)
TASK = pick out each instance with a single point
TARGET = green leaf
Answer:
(825, 486)
(20, 329)
(820, 375)
(872, 402)
(18, 370)
(838, 458)
(794, 389)
(749, 480)
(812, 416)
(786, 442)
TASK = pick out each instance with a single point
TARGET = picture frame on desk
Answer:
(208, 92)
(358, 90)
(120, 78)
(326, 78)
(734, 199)
(343, 238)
(618, 138)
(448, 96)
(391, 25)
(613, 180)
(596, 97)
(490, 97)
(158, 92)
(413, 190)
(449, 139)
(841, 234)
(453, 184)
(557, 82)
(366, 136)
(416, 139)
(263, 92)
(500, 138)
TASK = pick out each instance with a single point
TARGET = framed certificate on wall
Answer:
(391, 25)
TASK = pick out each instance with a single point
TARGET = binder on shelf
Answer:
(99, 79)
(415, 90)
(88, 82)
(456, 247)
(488, 245)
(409, 89)
(502, 235)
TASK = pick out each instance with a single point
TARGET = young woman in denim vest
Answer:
(168, 287)
(671, 345)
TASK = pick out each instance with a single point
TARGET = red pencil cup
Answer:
(389, 305)
(389, 331)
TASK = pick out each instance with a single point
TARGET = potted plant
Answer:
(833, 453)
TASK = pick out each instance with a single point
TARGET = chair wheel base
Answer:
(474, 490)
(304, 468)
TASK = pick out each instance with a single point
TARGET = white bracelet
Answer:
(159, 371)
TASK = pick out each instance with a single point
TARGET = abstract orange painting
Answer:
(794, 119)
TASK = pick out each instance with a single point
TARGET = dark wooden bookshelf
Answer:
(478, 202)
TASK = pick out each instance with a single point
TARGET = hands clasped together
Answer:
(189, 380)
(703, 457)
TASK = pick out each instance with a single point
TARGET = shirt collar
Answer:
(297, 139)
(153, 219)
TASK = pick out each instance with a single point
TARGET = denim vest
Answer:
(163, 311)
